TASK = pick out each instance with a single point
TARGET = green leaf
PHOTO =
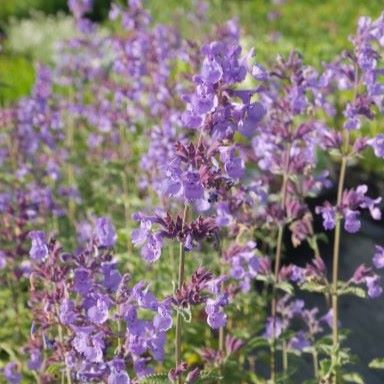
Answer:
(352, 290)
(353, 378)
(285, 286)
(314, 287)
(377, 363)
(159, 378)
(257, 342)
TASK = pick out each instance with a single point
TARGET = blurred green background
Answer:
(317, 28)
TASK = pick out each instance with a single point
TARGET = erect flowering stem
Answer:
(180, 280)
(61, 339)
(335, 270)
(279, 247)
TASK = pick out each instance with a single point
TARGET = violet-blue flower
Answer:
(378, 258)
(39, 248)
(105, 232)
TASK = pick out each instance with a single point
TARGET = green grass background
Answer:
(317, 28)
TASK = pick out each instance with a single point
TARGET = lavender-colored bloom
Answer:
(204, 100)
(193, 189)
(378, 145)
(118, 377)
(211, 71)
(141, 367)
(145, 298)
(82, 282)
(99, 312)
(3, 260)
(39, 248)
(223, 217)
(157, 344)
(259, 72)
(235, 167)
(192, 119)
(328, 318)
(135, 326)
(299, 341)
(374, 288)
(11, 373)
(151, 251)
(254, 113)
(274, 328)
(105, 232)
(90, 346)
(216, 320)
(80, 7)
(352, 223)
(35, 360)
(329, 216)
(378, 258)
(112, 276)
(140, 235)
(163, 319)
(67, 312)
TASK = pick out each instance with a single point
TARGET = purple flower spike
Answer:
(105, 232)
(378, 258)
(39, 248)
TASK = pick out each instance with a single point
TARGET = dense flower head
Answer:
(352, 201)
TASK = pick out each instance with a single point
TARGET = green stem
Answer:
(278, 253)
(315, 359)
(335, 269)
(180, 281)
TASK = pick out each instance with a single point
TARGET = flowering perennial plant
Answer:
(200, 282)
